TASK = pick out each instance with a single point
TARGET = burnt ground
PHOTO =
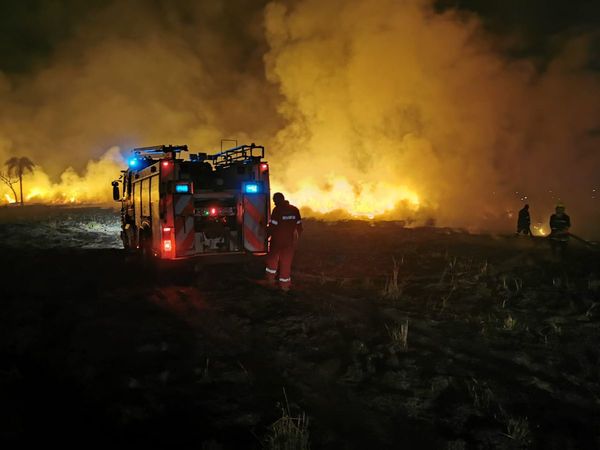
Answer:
(483, 342)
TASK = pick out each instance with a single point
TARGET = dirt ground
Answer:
(393, 338)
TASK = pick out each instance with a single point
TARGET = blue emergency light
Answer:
(133, 162)
(251, 188)
(182, 188)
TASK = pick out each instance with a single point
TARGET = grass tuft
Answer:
(509, 323)
(287, 432)
(393, 289)
(482, 396)
(517, 429)
(399, 335)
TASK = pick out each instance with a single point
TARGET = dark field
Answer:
(393, 338)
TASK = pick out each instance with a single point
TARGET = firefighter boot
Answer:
(270, 280)
(285, 284)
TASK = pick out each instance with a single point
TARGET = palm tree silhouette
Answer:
(18, 167)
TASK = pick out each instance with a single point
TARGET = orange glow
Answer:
(540, 230)
(34, 193)
(360, 200)
(403, 110)
(318, 195)
(91, 187)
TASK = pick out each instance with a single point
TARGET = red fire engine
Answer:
(206, 205)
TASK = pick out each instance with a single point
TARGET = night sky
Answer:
(533, 28)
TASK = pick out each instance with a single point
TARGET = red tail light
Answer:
(167, 239)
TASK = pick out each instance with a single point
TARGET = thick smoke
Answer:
(365, 106)
(142, 73)
(395, 93)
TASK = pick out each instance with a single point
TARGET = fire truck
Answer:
(203, 206)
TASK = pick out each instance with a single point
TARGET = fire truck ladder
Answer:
(160, 151)
(241, 154)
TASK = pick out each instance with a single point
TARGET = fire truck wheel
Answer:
(146, 253)
(125, 240)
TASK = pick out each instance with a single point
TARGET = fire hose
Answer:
(580, 239)
(574, 236)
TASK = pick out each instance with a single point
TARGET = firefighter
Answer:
(559, 234)
(524, 221)
(284, 230)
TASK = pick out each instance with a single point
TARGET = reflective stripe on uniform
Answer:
(274, 222)
(285, 280)
(273, 271)
(299, 221)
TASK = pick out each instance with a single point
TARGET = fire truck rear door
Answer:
(183, 209)
(255, 218)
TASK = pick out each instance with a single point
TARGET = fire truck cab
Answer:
(206, 205)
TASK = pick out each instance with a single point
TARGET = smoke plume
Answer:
(389, 108)
(397, 94)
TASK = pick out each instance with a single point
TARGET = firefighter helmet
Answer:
(278, 198)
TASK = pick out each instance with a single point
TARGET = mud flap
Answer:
(255, 220)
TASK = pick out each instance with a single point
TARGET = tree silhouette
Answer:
(9, 181)
(18, 167)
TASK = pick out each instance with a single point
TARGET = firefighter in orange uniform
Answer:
(284, 229)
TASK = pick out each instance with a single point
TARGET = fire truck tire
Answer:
(146, 252)
(125, 240)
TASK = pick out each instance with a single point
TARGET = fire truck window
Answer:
(146, 197)
(137, 198)
(154, 195)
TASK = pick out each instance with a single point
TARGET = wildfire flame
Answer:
(337, 194)
(93, 187)
(34, 193)
(540, 229)
(361, 200)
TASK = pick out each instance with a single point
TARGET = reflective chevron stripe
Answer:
(255, 218)
(185, 235)
(183, 202)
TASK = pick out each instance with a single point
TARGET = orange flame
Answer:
(337, 196)
(91, 187)
(360, 200)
